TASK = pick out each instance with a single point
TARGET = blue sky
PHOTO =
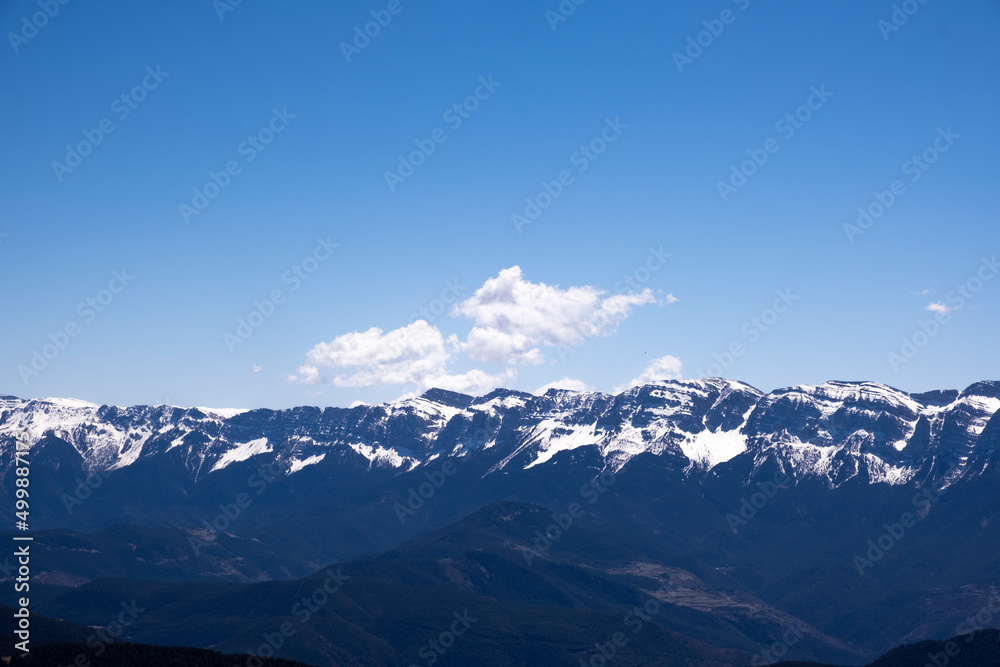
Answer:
(527, 304)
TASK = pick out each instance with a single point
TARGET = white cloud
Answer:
(570, 384)
(514, 317)
(402, 356)
(939, 307)
(306, 375)
(257, 369)
(663, 368)
(416, 354)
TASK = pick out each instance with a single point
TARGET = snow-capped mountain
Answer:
(834, 432)
(162, 492)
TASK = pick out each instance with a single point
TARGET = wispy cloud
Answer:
(939, 307)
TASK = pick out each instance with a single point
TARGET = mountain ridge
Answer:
(835, 430)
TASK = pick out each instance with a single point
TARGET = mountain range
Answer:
(826, 522)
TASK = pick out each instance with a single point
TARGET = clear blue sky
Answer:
(162, 338)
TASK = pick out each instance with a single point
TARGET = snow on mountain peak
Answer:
(224, 413)
(836, 430)
(73, 403)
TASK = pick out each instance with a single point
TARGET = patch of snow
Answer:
(241, 452)
(498, 402)
(225, 413)
(299, 464)
(72, 403)
(881, 472)
(713, 448)
(127, 457)
(383, 455)
(554, 436)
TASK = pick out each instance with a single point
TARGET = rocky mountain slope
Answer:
(834, 432)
